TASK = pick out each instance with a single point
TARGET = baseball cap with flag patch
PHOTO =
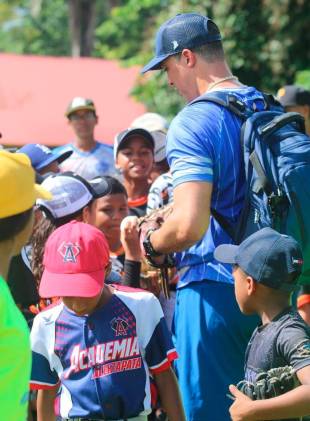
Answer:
(76, 256)
(269, 257)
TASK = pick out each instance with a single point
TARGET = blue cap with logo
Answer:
(41, 156)
(269, 257)
(186, 30)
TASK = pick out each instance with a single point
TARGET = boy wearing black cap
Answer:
(134, 157)
(266, 268)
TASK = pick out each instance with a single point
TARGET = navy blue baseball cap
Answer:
(186, 30)
(41, 156)
(269, 257)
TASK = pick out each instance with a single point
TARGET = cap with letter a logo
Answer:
(75, 258)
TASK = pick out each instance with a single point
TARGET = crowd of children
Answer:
(71, 258)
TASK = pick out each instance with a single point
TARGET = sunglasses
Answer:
(87, 116)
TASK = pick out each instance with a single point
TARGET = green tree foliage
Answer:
(266, 41)
(303, 78)
(45, 34)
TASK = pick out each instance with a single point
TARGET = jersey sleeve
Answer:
(160, 194)
(159, 350)
(294, 345)
(42, 375)
(191, 146)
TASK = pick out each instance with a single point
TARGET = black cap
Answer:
(125, 134)
(269, 257)
(293, 95)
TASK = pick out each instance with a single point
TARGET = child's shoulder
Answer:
(291, 318)
(50, 313)
(134, 294)
(137, 300)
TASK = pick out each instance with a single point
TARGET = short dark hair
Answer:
(13, 225)
(211, 52)
(115, 186)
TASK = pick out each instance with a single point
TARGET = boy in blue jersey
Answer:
(98, 345)
(204, 154)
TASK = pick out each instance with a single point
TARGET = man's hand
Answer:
(241, 409)
(154, 220)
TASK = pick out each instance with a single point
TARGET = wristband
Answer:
(147, 245)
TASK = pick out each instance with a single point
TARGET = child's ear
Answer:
(85, 214)
(116, 164)
(251, 285)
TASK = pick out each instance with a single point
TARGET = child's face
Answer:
(136, 158)
(107, 213)
(242, 290)
(82, 305)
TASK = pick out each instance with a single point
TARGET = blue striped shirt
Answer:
(203, 145)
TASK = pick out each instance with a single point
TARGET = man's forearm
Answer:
(293, 404)
(188, 221)
(173, 236)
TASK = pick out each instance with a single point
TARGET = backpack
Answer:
(276, 154)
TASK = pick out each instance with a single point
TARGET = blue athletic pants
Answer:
(210, 336)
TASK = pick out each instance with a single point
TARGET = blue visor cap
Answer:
(269, 257)
(41, 156)
(187, 30)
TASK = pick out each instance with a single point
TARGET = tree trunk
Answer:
(82, 22)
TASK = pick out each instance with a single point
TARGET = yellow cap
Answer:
(18, 191)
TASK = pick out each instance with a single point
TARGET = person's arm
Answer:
(131, 276)
(169, 394)
(131, 246)
(293, 404)
(189, 220)
(45, 405)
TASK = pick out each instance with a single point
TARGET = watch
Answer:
(147, 245)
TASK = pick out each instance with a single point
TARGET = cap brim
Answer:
(58, 156)
(100, 187)
(42, 193)
(62, 156)
(89, 108)
(71, 284)
(155, 63)
(121, 137)
(226, 253)
(160, 140)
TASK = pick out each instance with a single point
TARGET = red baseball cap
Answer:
(75, 258)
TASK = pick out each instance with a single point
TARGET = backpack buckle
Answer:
(278, 204)
(256, 107)
(238, 107)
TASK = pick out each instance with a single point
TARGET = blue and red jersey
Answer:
(102, 361)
